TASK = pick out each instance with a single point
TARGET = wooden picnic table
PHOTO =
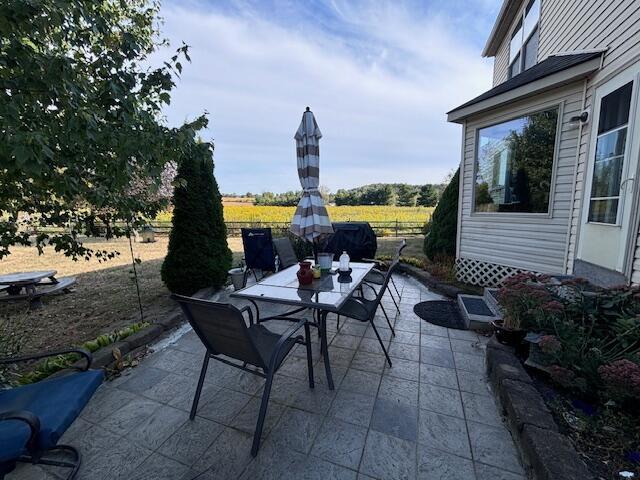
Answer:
(30, 285)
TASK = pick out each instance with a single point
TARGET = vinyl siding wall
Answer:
(531, 242)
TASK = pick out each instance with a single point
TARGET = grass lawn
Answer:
(105, 296)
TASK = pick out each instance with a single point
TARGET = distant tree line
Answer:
(396, 194)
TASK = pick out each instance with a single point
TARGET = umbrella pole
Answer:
(315, 251)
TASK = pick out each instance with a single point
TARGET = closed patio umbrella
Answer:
(311, 219)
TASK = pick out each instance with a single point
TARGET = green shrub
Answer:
(198, 255)
(442, 228)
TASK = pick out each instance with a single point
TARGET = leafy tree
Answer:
(442, 228)
(427, 196)
(198, 255)
(407, 195)
(80, 110)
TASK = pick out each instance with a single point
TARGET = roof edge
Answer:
(501, 26)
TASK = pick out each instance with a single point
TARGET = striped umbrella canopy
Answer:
(311, 219)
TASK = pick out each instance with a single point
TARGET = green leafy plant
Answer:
(198, 255)
(442, 228)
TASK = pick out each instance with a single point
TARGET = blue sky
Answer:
(379, 77)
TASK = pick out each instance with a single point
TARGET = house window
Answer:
(514, 162)
(610, 149)
(523, 48)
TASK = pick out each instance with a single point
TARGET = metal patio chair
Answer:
(376, 276)
(364, 310)
(257, 244)
(33, 417)
(285, 252)
(223, 330)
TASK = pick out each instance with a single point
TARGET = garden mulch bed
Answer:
(602, 436)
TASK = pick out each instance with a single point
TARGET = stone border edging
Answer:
(429, 281)
(548, 454)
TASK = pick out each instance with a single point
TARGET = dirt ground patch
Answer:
(104, 298)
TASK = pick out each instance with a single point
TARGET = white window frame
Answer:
(521, 51)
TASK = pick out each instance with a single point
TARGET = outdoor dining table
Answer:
(324, 295)
(33, 285)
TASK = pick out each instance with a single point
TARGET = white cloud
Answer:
(380, 100)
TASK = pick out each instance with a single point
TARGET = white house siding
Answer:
(528, 242)
(575, 25)
(501, 63)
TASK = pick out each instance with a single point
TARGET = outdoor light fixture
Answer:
(576, 121)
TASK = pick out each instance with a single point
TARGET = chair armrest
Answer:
(25, 358)
(373, 260)
(247, 309)
(287, 335)
(25, 416)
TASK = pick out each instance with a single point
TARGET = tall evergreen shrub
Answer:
(441, 238)
(198, 254)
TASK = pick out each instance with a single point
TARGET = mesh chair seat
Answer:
(360, 309)
(265, 341)
(285, 251)
(375, 276)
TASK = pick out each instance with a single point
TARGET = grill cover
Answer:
(357, 238)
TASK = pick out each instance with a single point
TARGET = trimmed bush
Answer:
(441, 237)
(198, 254)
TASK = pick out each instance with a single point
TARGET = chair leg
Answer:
(375, 330)
(388, 321)
(393, 299)
(196, 398)
(307, 342)
(261, 416)
(338, 327)
(394, 286)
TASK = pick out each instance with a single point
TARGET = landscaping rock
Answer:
(428, 280)
(171, 321)
(144, 336)
(551, 455)
(104, 356)
(524, 406)
(502, 365)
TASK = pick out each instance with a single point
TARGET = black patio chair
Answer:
(33, 417)
(286, 254)
(376, 276)
(258, 251)
(223, 330)
(364, 310)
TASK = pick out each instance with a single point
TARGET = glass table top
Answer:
(328, 292)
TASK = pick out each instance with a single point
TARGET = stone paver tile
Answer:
(372, 345)
(285, 389)
(353, 327)
(494, 446)
(404, 351)
(296, 430)
(473, 383)
(361, 382)
(470, 347)
(223, 406)
(184, 399)
(77, 428)
(339, 357)
(444, 433)
(191, 440)
(440, 376)
(190, 343)
(142, 378)
(295, 367)
(346, 341)
(434, 341)
(154, 430)
(313, 468)
(440, 400)
(403, 369)
(131, 415)
(481, 408)
(427, 328)
(406, 325)
(388, 457)
(248, 417)
(485, 472)
(158, 467)
(395, 418)
(337, 372)
(400, 390)
(439, 357)
(243, 382)
(410, 338)
(385, 333)
(104, 402)
(315, 400)
(434, 464)
(273, 462)
(369, 362)
(227, 456)
(27, 471)
(463, 334)
(108, 455)
(352, 407)
(470, 363)
(340, 442)
(170, 387)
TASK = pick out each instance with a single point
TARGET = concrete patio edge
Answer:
(548, 455)
(429, 281)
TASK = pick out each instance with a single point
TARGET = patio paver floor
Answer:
(430, 417)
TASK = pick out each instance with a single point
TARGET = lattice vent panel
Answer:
(484, 274)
